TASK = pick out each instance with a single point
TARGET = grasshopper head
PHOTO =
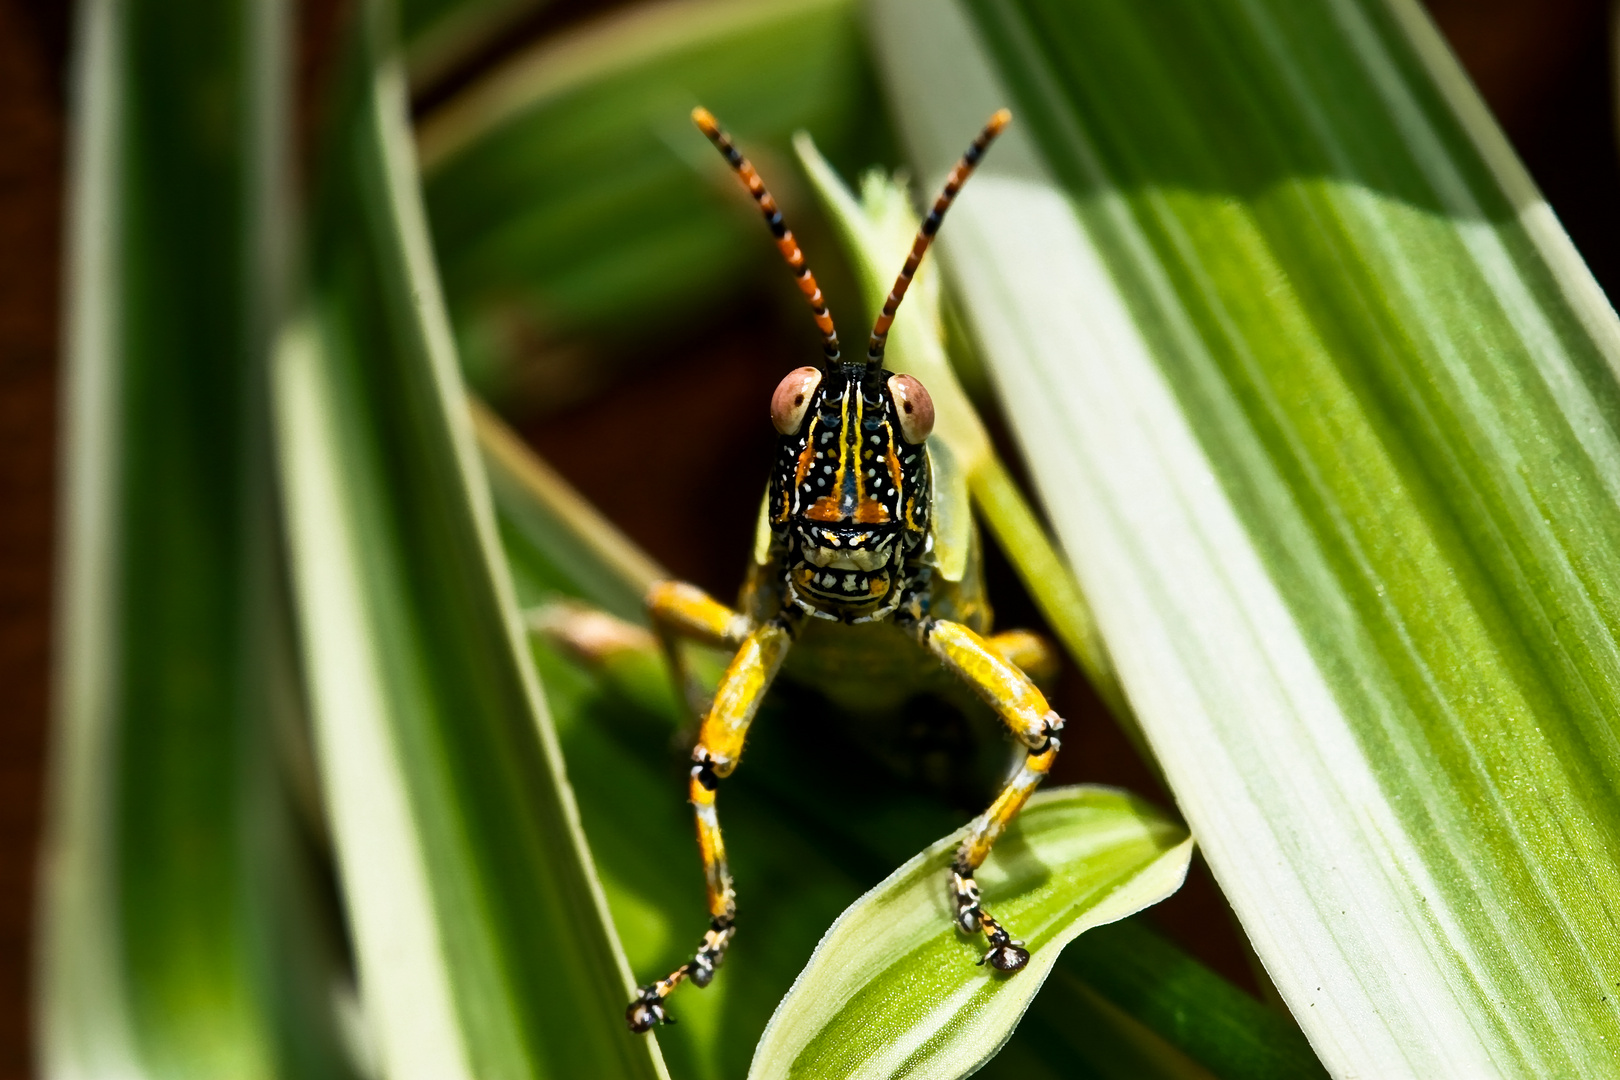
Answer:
(849, 493)
(850, 489)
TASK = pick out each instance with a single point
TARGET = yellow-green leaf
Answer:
(893, 989)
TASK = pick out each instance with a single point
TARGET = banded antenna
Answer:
(785, 243)
(925, 234)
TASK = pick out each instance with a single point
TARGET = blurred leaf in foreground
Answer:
(180, 933)
(482, 938)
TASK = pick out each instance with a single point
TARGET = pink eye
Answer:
(792, 398)
(915, 407)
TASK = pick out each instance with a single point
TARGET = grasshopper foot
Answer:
(1004, 953)
(647, 1011)
(965, 892)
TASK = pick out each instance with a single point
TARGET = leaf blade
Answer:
(473, 896)
(180, 934)
(943, 1015)
(1360, 408)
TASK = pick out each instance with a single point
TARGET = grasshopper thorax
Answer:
(849, 493)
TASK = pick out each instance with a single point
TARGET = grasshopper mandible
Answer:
(845, 562)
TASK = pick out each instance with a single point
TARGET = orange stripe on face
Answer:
(892, 460)
(806, 456)
(871, 512)
(825, 508)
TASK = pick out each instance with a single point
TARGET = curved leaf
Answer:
(893, 989)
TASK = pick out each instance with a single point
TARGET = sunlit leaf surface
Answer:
(1323, 406)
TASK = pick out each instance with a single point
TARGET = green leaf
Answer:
(1128, 969)
(893, 989)
(565, 190)
(1322, 405)
(181, 934)
(481, 934)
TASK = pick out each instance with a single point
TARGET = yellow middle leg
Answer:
(1027, 651)
(1024, 709)
(683, 612)
(720, 744)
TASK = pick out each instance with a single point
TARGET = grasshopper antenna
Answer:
(785, 243)
(925, 235)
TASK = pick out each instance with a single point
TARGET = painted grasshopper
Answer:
(853, 587)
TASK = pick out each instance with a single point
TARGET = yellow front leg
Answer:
(720, 744)
(1024, 710)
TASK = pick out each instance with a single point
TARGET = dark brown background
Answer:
(1543, 65)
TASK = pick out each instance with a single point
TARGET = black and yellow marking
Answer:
(785, 243)
(848, 516)
(925, 233)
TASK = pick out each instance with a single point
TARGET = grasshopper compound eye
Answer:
(915, 407)
(793, 396)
